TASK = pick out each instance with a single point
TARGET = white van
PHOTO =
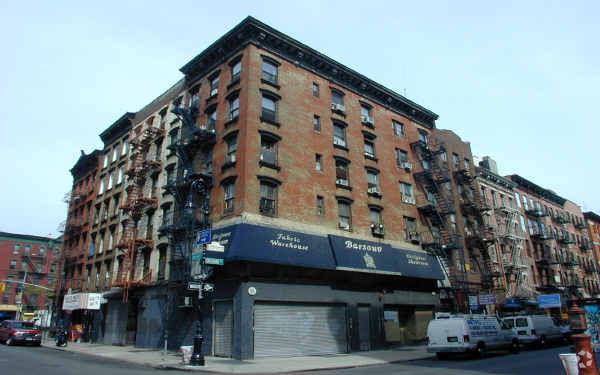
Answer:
(469, 334)
(535, 329)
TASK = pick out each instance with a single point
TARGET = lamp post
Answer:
(583, 346)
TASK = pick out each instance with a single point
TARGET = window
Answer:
(268, 198)
(234, 108)
(13, 264)
(120, 175)
(401, 157)
(443, 156)
(406, 191)
(111, 239)
(467, 164)
(194, 95)
(525, 203)
(398, 129)
(236, 69)
(319, 163)
(344, 215)
(376, 222)
(163, 117)
(320, 206)
(339, 135)
(115, 153)
(16, 248)
(317, 123)
(337, 101)
(423, 137)
(315, 90)
(27, 250)
(369, 148)
(162, 263)
(101, 190)
(124, 148)
(106, 158)
(101, 244)
(173, 135)
(411, 229)
(365, 115)
(111, 179)
(373, 182)
(269, 109)
(268, 150)
(229, 197)
(214, 86)
(42, 250)
(269, 71)
(231, 151)
(455, 160)
(341, 173)
(212, 118)
(518, 199)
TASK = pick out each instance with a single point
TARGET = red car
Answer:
(15, 331)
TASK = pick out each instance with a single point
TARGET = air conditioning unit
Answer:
(377, 228)
(214, 92)
(373, 190)
(409, 200)
(344, 226)
(339, 142)
(231, 158)
(338, 107)
(405, 165)
(341, 182)
(413, 237)
(366, 120)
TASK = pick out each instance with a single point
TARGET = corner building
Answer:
(304, 170)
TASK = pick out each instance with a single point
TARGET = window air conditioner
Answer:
(409, 200)
(405, 165)
(343, 226)
(338, 107)
(339, 142)
(341, 182)
(366, 120)
(373, 190)
(214, 92)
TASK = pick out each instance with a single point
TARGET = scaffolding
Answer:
(140, 166)
(436, 205)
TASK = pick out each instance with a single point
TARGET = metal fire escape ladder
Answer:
(191, 189)
(135, 206)
(512, 258)
(436, 207)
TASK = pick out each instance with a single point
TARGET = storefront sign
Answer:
(72, 301)
(487, 299)
(418, 264)
(363, 256)
(83, 301)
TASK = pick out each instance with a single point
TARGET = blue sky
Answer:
(519, 80)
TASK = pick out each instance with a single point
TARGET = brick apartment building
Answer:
(32, 260)
(592, 221)
(331, 195)
(303, 168)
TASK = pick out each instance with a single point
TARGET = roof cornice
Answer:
(85, 163)
(490, 176)
(590, 215)
(118, 128)
(532, 188)
(255, 32)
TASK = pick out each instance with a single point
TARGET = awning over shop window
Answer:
(246, 242)
(271, 245)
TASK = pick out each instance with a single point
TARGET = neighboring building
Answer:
(555, 241)
(593, 226)
(26, 261)
(304, 170)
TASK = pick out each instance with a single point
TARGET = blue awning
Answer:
(374, 257)
(270, 245)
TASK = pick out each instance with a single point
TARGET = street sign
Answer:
(204, 237)
(194, 286)
(215, 246)
(197, 256)
(215, 261)
(487, 299)
(549, 300)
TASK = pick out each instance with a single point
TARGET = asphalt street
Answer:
(17, 360)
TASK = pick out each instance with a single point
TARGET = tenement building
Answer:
(29, 268)
(593, 227)
(307, 174)
(556, 240)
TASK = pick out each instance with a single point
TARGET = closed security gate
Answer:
(223, 328)
(294, 329)
(364, 327)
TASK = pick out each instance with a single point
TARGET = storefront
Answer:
(81, 313)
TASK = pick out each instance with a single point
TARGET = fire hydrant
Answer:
(583, 343)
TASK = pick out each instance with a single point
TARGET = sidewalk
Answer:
(172, 360)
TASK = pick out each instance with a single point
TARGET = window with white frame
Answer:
(120, 175)
(106, 159)
(268, 198)
(269, 71)
(115, 153)
(16, 248)
(398, 129)
(369, 148)
(344, 215)
(339, 135)
(124, 148)
(194, 95)
(234, 107)
(317, 123)
(406, 191)
(214, 86)
(269, 108)
(319, 162)
(101, 190)
(341, 172)
(230, 158)
(236, 71)
(229, 203)
(373, 182)
(315, 90)
(365, 115)
(111, 178)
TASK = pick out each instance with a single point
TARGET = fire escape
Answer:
(140, 166)
(190, 185)
(435, 206)
(478, 234)
(568, 261)
(31, 272)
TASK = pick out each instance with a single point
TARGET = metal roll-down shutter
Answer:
(295, 329)
(223, 328)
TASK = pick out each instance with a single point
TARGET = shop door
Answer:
(294, 329)
(223, 328)
(364, 327)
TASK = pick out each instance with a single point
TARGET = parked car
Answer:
(535, 329)
(15, 331)
(469, 334)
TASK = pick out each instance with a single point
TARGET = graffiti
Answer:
(592, 317)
